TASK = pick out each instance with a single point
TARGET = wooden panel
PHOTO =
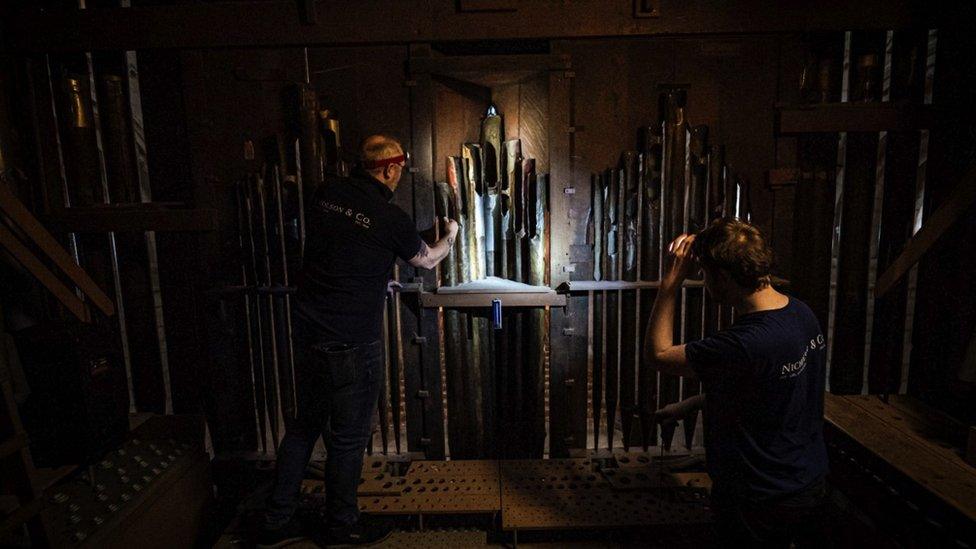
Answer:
(280, 22)
(923, 425)
(950, 483)
(533, 128)
(458, 110)
(937, 424)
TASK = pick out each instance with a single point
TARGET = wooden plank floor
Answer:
(908, 439)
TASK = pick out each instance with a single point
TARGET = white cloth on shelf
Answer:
(493, 284)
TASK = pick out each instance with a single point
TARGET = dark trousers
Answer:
(338, 388)
(794, 519)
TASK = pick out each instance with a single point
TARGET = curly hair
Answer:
(739, 248)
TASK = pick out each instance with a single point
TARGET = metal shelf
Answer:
(604, 285)
(509, 299)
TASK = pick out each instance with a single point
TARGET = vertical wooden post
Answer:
(570, 258)
(424, 380)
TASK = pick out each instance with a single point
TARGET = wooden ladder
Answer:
(16, 465)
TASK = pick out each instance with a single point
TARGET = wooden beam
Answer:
(955, 205)
(282, 22)
(44, 240)
(103, 219)
(460, 65)
(34, 265)
(854, 117)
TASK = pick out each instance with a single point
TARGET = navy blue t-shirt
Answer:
(353, 235)
(764, 380)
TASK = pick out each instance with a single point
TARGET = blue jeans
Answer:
(338, 388)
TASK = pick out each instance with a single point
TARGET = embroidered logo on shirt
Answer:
(358, 217)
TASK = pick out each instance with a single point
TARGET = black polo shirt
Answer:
(353, 235)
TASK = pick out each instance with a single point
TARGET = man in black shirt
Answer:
(353, 236)
(763, 380)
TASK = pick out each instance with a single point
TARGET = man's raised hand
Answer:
(450, 227)
(683, 262)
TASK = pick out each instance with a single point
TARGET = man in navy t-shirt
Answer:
(763, 380)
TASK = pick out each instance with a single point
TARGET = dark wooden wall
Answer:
(228, 96)
(200, 105)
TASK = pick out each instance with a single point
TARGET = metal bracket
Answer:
(420, 340)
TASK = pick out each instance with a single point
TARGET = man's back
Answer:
(353, 236)
(764, 383)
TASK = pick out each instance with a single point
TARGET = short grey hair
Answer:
(379, 147)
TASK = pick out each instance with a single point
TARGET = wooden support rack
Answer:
(509, 299)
